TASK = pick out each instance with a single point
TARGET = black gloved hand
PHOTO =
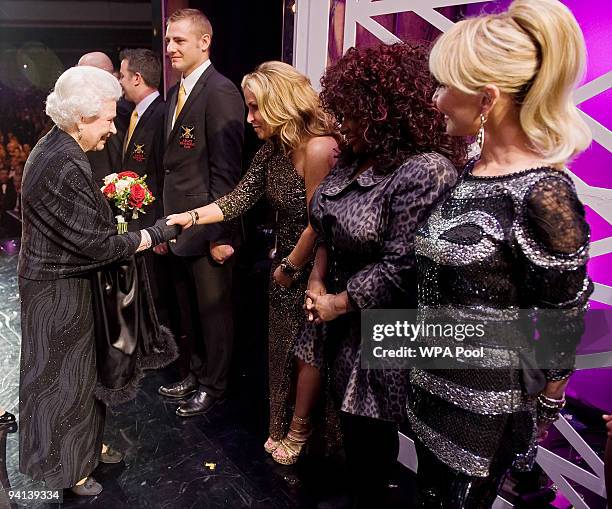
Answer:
(160, 232)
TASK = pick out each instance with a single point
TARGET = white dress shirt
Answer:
(142, 106)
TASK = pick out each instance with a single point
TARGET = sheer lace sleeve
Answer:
(249, 189)
(556, 218)
(554, 239)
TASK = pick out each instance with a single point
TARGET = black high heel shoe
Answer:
(7, 418)
(90, 488)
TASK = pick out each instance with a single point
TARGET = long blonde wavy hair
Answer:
(535, 52)
(288, 103)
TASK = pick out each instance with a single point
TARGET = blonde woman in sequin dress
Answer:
(512, 235)
(298, 153)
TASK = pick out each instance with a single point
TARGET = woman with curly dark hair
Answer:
(396, 162)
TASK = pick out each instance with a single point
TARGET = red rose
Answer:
(137, 195)
(109, 190)
(128, 174)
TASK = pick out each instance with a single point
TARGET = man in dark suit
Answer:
(107, 160)
(143, 142)
(142, 152)
(202, 162)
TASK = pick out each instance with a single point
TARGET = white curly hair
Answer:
(80, 92)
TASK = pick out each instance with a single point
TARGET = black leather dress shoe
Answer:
(198, 404)
(179, 389)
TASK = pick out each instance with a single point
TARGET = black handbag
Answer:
(128, 335)
(532, 378)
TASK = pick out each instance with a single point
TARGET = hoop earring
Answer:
(480, 137)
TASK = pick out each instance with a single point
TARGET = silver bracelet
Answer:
(551, 403)
(548, 409)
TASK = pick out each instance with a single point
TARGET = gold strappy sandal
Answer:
(271, 445)
(290, 447)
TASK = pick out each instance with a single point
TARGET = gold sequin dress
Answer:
(272, 174)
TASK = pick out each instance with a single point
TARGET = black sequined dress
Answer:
(497, 245)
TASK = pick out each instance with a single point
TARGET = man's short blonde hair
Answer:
(199, 20)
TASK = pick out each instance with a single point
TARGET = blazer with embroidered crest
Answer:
(203, 156)
(144, 155)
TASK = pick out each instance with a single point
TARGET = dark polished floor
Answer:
(212, 461)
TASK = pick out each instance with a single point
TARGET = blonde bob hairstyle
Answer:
(288, 104)
(535, 52)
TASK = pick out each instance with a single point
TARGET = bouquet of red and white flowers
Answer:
(128, 193)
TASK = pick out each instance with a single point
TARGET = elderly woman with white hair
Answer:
(68, 234)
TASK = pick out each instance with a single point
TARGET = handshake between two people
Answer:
(173, 225)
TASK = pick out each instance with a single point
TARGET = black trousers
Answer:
(441, 487)
(204, 300)
(371, 447)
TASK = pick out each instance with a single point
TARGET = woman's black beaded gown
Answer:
(497, 245)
